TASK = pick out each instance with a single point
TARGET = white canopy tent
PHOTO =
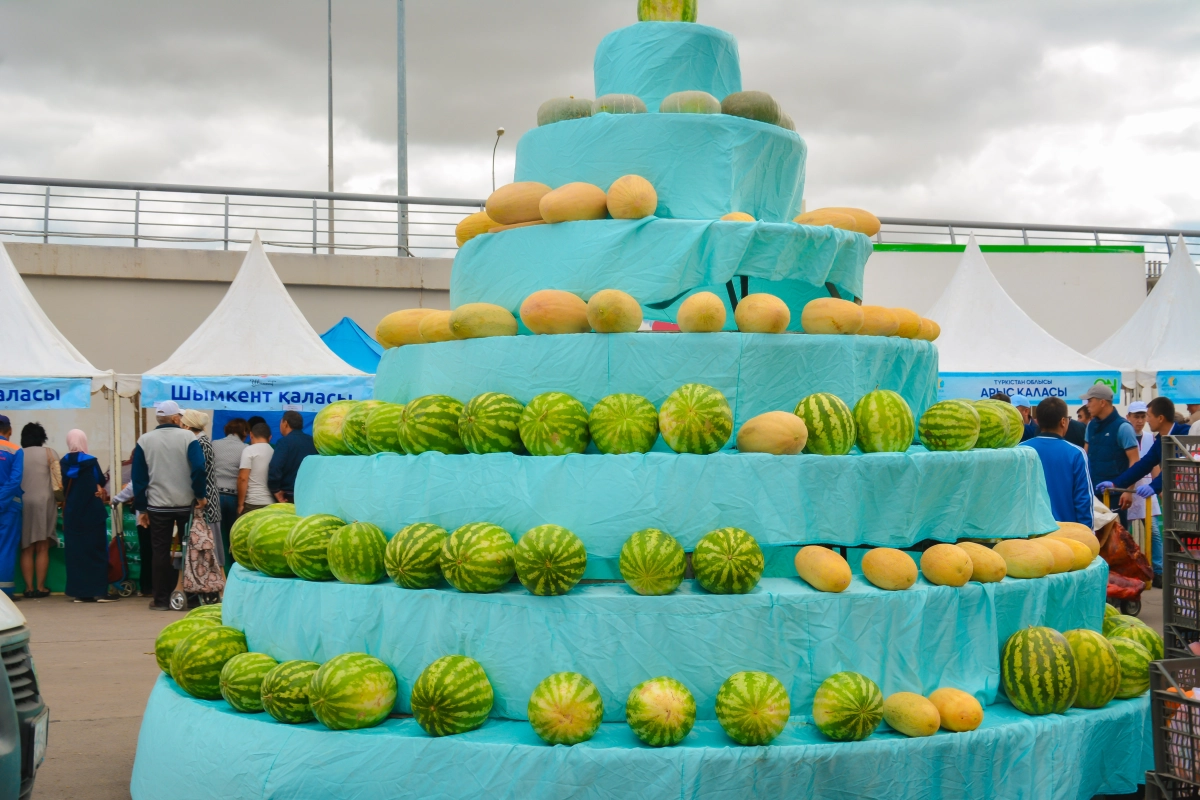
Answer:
(988, 344)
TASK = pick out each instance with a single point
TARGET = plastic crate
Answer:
(1176, 640)
(1176, 717)
(1181, 590)
(1181, 483)
(1159, 787)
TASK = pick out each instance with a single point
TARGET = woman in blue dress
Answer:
(85, 514)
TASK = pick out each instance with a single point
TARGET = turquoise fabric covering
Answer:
(702, 165)
(203, 750)
(353, 345)
(655, 59)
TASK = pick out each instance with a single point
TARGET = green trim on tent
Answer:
(1008, 248)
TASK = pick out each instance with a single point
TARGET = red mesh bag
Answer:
(1122, 588)
(1124, 557)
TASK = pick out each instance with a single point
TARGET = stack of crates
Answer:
(1181, 544)
(1176, 717)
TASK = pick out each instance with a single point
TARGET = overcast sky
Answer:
(1067, 111)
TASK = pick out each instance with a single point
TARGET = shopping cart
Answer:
(1129, 571)
(119, 581)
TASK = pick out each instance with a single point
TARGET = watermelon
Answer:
(565, 708)
(1114, 621)
(884, 422)
(1037, 670)
(830, 424)
(280, 508)
(549, 560)
(239, 534)
(560, 109)
(306, 546)
(847, 707)
(490, 423)
(170, 637)
(286, 691)
(452, 695)
(413, 556)
(354, 427)
(1097, 667)
(993, 424)
(652, 562)
(624, 423)
(352, 691)
(356, 553)
(752, 105)
(431, 423)
(1135, 667)
(1016, 423)
(660, 711)
(478, 557)
(267, 544)
(696, 419)
(208, 610)
(383, 428)
(728, 561)
(949, 425)
(197, 661)
(327, 428)
(1110, 611)
(241, 681)
(1143, 634)
(753, 707)
(554, 424)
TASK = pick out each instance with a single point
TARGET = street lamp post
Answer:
(401, 131)
(330, 32)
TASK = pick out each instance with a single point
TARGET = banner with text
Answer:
(255, 393)
(1069, 386)
(34, 394)
(1182, 387)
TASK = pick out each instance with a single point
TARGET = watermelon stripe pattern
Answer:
(565, 708)
(830, 423)
(660, 711)
(241, 681)
(1143, 634)
(549, 560)
(286, 691)
(1096, 666)
(354, 427)
(1016, 424)
(266, 544)
(847, 707)
(624, 423)
(352, 691)
(239, 534)
(652, 562)
(170, 637)
(1135, 667)
(728, 561)
(994, 425)
(753, 707)
(884, 422)
(1037, 671)
(306, 546)
(491, 423)
(431, 423)
(695, 418)
(452, 695)
(478, 557)
(356, 553)
(383, 428)
(327, 429)
(197, 661)
(554, 424)
(949, 425)
(210, 609)
(413, 556)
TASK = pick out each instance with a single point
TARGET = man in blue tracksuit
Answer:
(1112, 446)
(12, 466)
(1064, 464)
(1160, 417)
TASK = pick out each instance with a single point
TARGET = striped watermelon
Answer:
(1143, 634)
(1114, 621)
(728, 561)
(624, 423)
(1016, 423)
(239, 534)
(352, 691)
(452, 695)
(847, 707)
(660, 711)
(197, 661)
(1110, 611)
(208, 610)
(554, 424)
(1037, 670)
(383, 428)
(696, 419)
(286, 691)
(413, 556)
(565, 708)
(830, 424)
(993, 424)
(478, 557)
(1135, 667)
(884, 422)
(354, 427)
(356, 553)
(327, 428)
(241, 681)
(490, 423)
(1097, 667)
(549, 560)
(431, 423)
(170, 637)
(652, 562)
(949, 425)
(306, 546)
(267, 543)
(753, 707)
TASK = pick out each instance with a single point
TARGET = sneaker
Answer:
(106, 599)
(154, 607)
(85, 600)
(1157, 582)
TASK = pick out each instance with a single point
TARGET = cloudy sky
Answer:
(1066, 111)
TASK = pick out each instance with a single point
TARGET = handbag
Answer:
(56, 481)
(201, 572)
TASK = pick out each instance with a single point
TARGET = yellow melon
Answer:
(823, 569)
(703, 312)
(555, 311)
(738, 216)
(574, 202)
(481, 320)
(831, 315)
(911, 714)
(987, 566)
(502, 228)
(1025, 559)
(780, 433)
(1064, 556)
(614, 311)
(865, 222)
(946, 565)
(1081, 552)
(400, 327)
(958, 710)
(1080, 533)
(436, 327)
(471, 226)
(632, 197)
(517, 202)
(910, 323)
(889, 568)
(762, 313)
(823, 216)
(929, 330)
(879, 321)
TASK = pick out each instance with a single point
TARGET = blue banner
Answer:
(1181, 387)
(255, 393)
(1069, 386)
(34, 394)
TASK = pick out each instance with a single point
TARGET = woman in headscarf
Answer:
(85, 514)
(196, 421)
(202, 572)
(40, 513)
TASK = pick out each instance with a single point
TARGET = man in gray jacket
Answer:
(168, 482)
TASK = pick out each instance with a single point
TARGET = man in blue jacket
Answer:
(1160, 418)
(1064, 464)
(12, 467)
(290, 451)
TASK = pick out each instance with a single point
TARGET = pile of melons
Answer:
(830, 315)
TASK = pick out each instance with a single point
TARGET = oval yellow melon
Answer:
(910, 323)
(1063, 555)
(574, 202)
(703, 312)
(762, 313)
(481, 320)
(889, 568)
(436, 327)
(738, 216)
(946, 565)
(911, 714)
(472, 225)
(831, 316)
(987, 566)
(865, 222)
(502, 228)
(614, 311)
(929, 330)
(632, 197)
(1082, 555)
(400, 327)
(1080, 533)
(958, 710)
(780, 433)
(824, 216)
(823, 569)
(1025, 559)
(555, 311)
(878, 321)
(517, 202)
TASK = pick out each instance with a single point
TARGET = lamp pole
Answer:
(330, 32)
(401, 131)
(499, 133)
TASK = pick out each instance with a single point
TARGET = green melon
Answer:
(830, 424)
(652, 562)
(354, 427)
(352, 691)
(1135, 667)
(306, 546)
(696, 419)
(624, 423)
(170, 637)
(239, 534)
(884, 422)
(786, 121)
(619, 104)
(1016, 424)
(549, 560)
(1110, 611)
(666, 10)
(197, 661)
(847, 707)
(993, 424)
(452, 695)
(1143, 634)
(753, 707)
(554, 424)
(690, 103)
(660, 711)
(728, 561)
(490, 423)
(208, 610)
(383, 428)
(758, 106)
(267, 542)
(949, 425)
(565, 708)
(1097, 667)
(356, 553)
(241, 681)
(413, 556)
(1037, 670)
(560, 109)
(327, 428)
(431, 423)
(286, 691)
(478, 557)
(1114, 621)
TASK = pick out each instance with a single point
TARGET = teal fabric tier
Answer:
(702, 165)
(916, 640)
(655, 59)
(203, 750)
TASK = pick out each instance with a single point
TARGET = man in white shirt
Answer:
(252, 490)
(1136, 414)
(227, 462)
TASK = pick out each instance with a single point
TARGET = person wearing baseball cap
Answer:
(12, 469)
(1025, 406)
(1110, 443)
